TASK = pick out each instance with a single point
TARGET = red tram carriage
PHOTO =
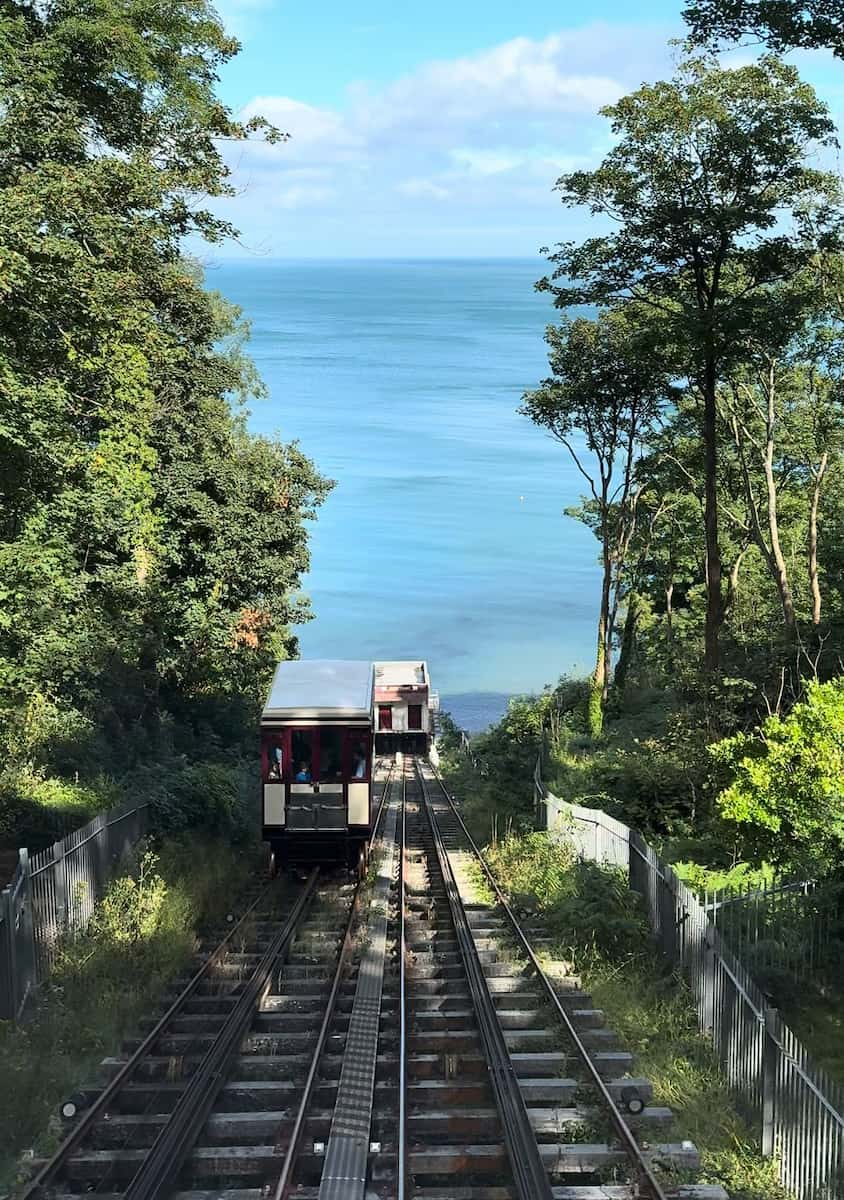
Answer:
(316, 762)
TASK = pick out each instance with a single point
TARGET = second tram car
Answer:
(316, 762)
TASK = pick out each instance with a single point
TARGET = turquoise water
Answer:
(445, 536)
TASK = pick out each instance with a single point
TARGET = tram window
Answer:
(275, 759)
(301, 755)
(414, 716)
(385, 716)
(359, 760)
(330, 754)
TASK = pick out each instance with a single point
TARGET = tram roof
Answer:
(321, 688)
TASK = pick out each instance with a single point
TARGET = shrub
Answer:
(36, 810)
(787, 782)
(141, 936)
(132, 908)
(586, 907)
(212, 798)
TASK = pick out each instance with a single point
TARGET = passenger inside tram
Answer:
(275, 766)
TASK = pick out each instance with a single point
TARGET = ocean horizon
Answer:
(444, 537)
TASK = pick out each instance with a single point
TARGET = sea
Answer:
(445, 536)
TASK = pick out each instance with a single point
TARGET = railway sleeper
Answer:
(561, 1159)
(611, 1191)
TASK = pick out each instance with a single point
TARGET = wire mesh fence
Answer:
(55, 892)
(796, 1108)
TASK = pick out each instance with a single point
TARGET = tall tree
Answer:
(708, 186)
(602, 400)
(781, 24)
(134, 507)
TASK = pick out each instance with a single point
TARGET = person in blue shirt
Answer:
(303, 775)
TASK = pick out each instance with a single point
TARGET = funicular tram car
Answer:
(316, 763)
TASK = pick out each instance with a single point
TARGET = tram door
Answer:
(315, 784)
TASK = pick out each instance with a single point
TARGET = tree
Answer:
(709, 188)
(787, 789)
(783, 411)
(606, 387)
(135, 510)
(781, 24)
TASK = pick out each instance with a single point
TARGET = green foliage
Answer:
(588, 909)
(607, 383)
(132, 910)
(713, 209)
(497, 789)
(151, 549)
(596, 921)
(787, 788)
(782, 24)
(142, 935)
(743, 876)
(215, 799)
(36, 810)
(655, 1018)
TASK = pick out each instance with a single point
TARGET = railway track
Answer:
(550, 1113)
(204, 1099)
(394, 1039)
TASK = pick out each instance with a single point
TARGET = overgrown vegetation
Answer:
(150, 547)
(597, 923)
(703, 405)
(142, 934)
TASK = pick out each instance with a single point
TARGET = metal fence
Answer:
(55, 892)
(784, 928)
(796, 1108)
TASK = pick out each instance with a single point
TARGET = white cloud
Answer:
(302, 196)
(486, 162)
(422, 187)
(488, 132)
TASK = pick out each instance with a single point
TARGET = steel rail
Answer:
(385, 791)
(285, 1180)
(91, 1114)
(622, 1129)
(528, 1170)
(401, 1165)
(170, 1149)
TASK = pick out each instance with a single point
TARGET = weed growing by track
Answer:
(596, 922)
(142, 934)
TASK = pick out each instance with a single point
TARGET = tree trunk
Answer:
(600, 679)
(713, 549)
(733, 578)
(813, 540)
(628, 641)
(776, 559)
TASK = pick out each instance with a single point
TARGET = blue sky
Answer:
(436, 129)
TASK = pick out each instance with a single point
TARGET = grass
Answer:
(37, 809)
(818, 1021)
(653, 1015)
(143, 933)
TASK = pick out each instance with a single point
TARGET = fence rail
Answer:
(55, 892)
(797, 1109)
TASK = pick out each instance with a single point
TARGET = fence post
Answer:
(770, 1061)
(8, 1001)
(27, 979)
(710, 961)
(60, 882)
